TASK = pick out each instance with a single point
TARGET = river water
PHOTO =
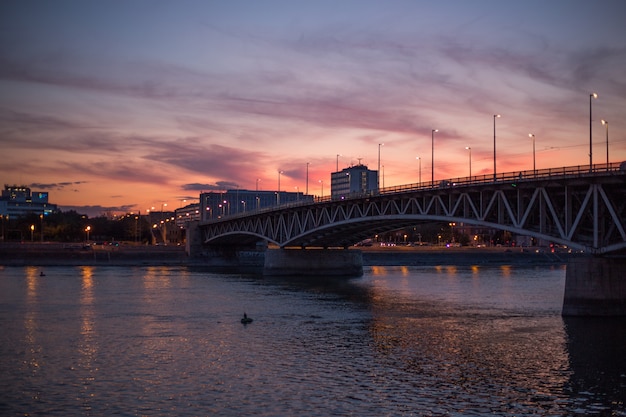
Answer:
(399, 341)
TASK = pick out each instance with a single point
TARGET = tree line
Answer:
(71, 226)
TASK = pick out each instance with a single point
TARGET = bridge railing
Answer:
(504, 177)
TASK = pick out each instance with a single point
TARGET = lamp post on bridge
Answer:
(470, 162)
(432, 156)
(307, 179)
(278, 193)
(419, 160)
(495, 116)
(606, 125)
(591, 97)
(378, 176)
(530, 135)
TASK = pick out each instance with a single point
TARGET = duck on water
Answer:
(246, 319)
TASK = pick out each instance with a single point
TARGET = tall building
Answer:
(352, 180)
(18, 201)
(214, 205)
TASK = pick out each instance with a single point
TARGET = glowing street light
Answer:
(378, 176)
(591, 97)
(32, 232)
(432, 156)
(307, 178)
(419, 160)
(495, 116)
(87, 230)
(530, 135)
(606, 124)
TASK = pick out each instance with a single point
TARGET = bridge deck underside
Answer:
(586, 213)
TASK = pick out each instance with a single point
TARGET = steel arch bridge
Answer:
(581, 207)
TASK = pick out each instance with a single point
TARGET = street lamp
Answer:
(322, 185)
(378, 176)
(606, 124)
(419, 160)
(278, 193)
(307, 178)
(495, 116)
(244, 205)
(32, 232)
(87, 230)
(257, 184)
(470, 161)
(530, 135)
(162, 205)
(591, 97)
(432, 156)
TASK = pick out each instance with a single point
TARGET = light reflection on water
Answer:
(398, 341)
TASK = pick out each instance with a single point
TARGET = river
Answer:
(399, 341)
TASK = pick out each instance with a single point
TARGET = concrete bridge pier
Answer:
(595, 286)
(313, 262)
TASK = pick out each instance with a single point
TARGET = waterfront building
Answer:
(187, 214)
(19, 201)
(351, 180)
(217, 204)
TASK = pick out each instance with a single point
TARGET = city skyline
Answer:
(124, 106)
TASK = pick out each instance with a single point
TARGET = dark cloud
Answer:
(55, 186)
(219, 185)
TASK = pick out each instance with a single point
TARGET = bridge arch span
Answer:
(575, 207)
(349, 232)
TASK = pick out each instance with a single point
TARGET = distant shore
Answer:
(58, 254)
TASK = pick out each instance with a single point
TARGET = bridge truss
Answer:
(582, 210)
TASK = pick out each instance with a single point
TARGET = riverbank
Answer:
(56, 254)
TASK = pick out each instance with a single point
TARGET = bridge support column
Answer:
(314, 262)
(595, 286)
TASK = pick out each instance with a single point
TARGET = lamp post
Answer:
(591, 97)
(244, 205)
(278, 192)
(162, 205)
(606, 125)
(41, 218)
(530, 135)
(495, 116)
(87, 230)
(378, 173)
(419, 160)
(32, 232)
(322, 185)
(306, 189)
(257, 184)
(432, 156)
(470, 161)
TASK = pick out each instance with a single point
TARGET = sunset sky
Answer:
(126, 105)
